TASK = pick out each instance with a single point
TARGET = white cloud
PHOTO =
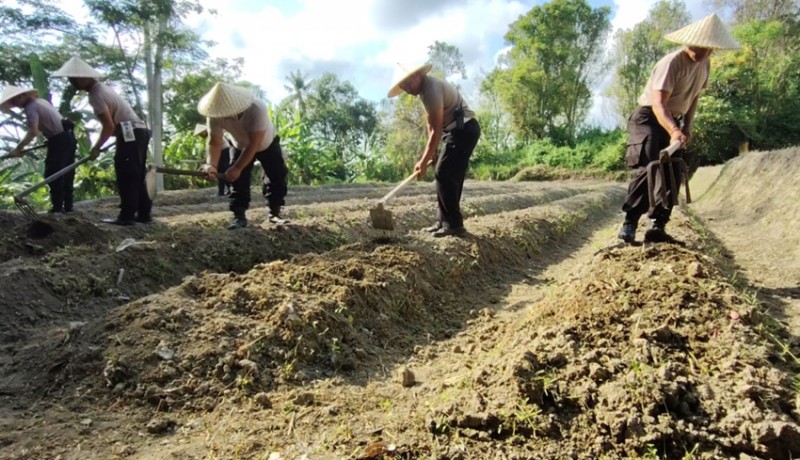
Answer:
(354, 41)
(362, 40)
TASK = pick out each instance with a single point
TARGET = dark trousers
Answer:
(129, 163)
(274, 187)
(646, 138)
(222, 166)
(60, 154)
(451, 170)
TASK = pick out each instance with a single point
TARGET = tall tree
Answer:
(766, 10)
(638, 49)
(753, 94)
(298, 87)
(447, 60)
(157, 26)
(342, 119)
(555, 58)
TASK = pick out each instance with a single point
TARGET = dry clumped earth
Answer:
(536, 336)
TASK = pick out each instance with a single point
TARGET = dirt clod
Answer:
(160, 426)
(408, 379)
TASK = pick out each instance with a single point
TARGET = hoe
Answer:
(381, 217)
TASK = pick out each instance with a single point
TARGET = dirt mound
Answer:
(650, 352)
(552, 173)
(312, 317)
(322, 340)
(753, 187)
(755, 198)
(21, 238)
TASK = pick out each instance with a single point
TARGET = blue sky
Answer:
(363, 40)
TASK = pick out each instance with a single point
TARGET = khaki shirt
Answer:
(103, 99)
(437, 93)
(679, 75)
(41, 113)
(253, 119)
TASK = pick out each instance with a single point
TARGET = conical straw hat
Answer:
(12, 91)
(401, 73)
(225, 100)
(76, 67)
(200, 129)
(708, 32)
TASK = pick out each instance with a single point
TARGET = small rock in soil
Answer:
(304, 399)
(695, 270)
(263, 400)
(164, 352)
(250, 367)
(160, 425)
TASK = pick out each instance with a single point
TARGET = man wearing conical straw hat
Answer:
(223, 188)
(42, 118)
(236, 110)
(451, 120)
(132, 137)
(665, 114)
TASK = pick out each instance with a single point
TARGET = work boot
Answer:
(274, 216)
(148, 219)
(442, 232)
(657, 234)
(238, 222)
(628, 232)
(433, 228)
(119, 221)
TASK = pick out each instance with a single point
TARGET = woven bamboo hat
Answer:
(708, 32)
(11, 92)
(77, 68)
(225, 100)
(402, 73)
(200, 129)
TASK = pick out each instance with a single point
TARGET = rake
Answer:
(24, 207)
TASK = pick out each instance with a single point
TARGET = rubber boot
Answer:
(628, 231)
(657, 233)
(239, 221)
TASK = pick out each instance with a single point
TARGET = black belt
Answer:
(678, 118)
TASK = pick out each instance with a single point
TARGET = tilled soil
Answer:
(536, 336)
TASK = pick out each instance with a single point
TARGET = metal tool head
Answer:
(38, 228)
(150, 181)
(381, 218)
(26, 209)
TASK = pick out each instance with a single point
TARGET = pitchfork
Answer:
(666, 161)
